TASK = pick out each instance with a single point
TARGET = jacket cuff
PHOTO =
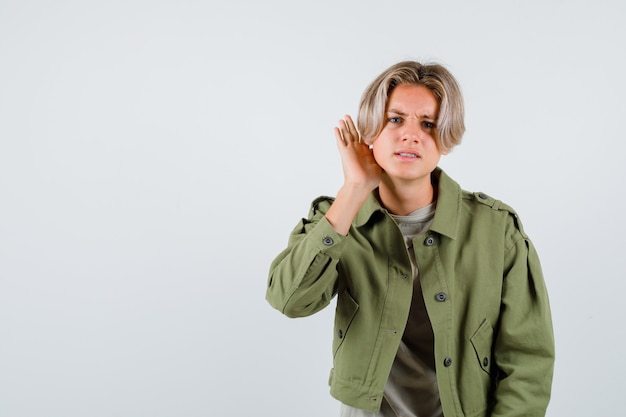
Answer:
(326, 239)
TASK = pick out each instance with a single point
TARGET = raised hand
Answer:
(359, 166)
(361, 175)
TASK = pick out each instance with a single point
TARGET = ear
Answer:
(370, 142)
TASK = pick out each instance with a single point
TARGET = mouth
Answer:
(408, 155)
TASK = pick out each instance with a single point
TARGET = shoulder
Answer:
(492, 206)
(479, 211)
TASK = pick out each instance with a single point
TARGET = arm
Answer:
(303, 277)
(361, 176)
(524, 346)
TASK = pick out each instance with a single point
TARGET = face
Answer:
(406, 149)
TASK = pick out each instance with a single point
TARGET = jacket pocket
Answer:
(482, 341)
(344, 314)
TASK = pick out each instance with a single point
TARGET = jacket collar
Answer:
(446, 221)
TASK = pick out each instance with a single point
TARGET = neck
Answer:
(402, 198)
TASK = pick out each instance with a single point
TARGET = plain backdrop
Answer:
(155, 155)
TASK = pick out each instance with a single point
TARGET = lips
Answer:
(408, 154)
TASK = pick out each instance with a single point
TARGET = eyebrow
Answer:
(401, 113)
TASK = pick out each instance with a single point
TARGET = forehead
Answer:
(410, 98)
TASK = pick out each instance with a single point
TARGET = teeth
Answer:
(410, 155)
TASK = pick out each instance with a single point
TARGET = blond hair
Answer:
(373, 106)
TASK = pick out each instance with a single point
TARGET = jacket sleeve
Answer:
(303, 277)
(524, 346)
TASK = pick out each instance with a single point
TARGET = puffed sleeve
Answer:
(524, 346)
(303, 277)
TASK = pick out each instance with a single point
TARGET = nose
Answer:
(412, 131)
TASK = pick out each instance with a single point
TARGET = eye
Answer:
(395, 120)
(428, 125)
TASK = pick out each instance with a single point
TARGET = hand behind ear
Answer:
(357, 159)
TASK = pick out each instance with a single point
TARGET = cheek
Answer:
(432, 144)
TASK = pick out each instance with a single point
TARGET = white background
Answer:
(155, 155)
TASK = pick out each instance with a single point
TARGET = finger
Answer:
(349, 123)
(345, 132)
(352, 128)
(339, 136)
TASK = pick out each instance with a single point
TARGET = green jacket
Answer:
(482, 285)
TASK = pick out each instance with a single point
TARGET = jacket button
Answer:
(441, 296)
(429, 241)
(483, 196)
(328, 241)
(447, 362)
(485, 362)
(340, 333)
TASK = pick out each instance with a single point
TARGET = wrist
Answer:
(349, 200)
(356, 189)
